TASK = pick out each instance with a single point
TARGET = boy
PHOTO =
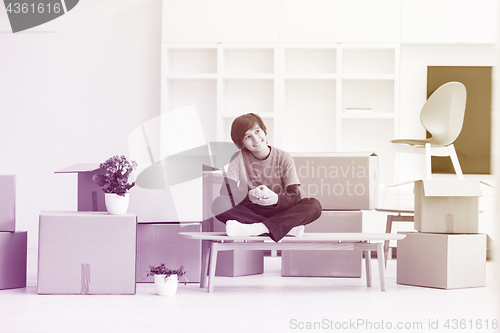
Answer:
(261, 190)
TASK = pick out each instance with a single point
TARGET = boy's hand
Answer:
(263, 196)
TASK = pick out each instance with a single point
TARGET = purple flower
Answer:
(114, 175)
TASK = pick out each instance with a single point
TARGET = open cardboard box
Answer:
(446, 205)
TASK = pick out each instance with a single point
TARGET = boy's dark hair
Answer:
(242, 124)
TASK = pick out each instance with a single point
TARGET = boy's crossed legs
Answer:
(249, 219)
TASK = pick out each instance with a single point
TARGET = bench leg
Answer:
(367, 255)
(213, 264)
(381, 266)
(205, 245)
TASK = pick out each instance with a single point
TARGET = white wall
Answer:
(71, 91)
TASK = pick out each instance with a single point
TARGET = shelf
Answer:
(184, 60)
(194, 76)
(367, 115)
(261, 114)
(372, 77)
(245, 96)
(310, 108)
(368, 61)
(310, 60)
(310, 76)
(377, 95)
(248, 76)
(248, 60)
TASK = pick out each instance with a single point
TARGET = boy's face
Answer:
(255, 140)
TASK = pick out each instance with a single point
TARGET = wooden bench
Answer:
(214, 242)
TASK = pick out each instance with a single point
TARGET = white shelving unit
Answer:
(313, 97)
(369, 102)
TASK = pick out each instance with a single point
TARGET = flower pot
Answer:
(116, 204)
(166, 286)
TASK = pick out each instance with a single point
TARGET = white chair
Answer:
(443, 117)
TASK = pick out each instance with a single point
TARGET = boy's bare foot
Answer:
(235, 228)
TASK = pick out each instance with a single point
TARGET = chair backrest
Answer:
(443, 113)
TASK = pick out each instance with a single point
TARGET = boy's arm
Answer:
(289, 198)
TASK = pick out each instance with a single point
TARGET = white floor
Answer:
(260, 303)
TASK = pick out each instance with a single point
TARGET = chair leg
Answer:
(388, 230)
(428, 159)
(456, 163)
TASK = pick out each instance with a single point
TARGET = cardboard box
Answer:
(446, 261)
(86, 253)
(159, 243)
(13, 255)
(447, 206)
(7, 203)
(340, 181)
(229, 263)
(150, 205)
(326, 263)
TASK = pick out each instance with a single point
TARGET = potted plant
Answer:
(166, 280)
(114, 182)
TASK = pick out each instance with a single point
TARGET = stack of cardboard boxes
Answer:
(446, 250)
(345, 184)
(158, 227)
(13, 244)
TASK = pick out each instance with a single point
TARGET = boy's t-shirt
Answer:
(277, 171)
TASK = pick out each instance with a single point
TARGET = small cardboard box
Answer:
(7, 203)
(446, 261)
(340, 181)
(86, 253)
(447, 206)
(326, 263)
(13, 255)
(159, 243)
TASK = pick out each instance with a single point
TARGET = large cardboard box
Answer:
(159, 243)
(229, 263)
(13, 255)
(446, 261)
(86, 253)
(447, 206)
(340, 181)
(7, 203)
(326, 263)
